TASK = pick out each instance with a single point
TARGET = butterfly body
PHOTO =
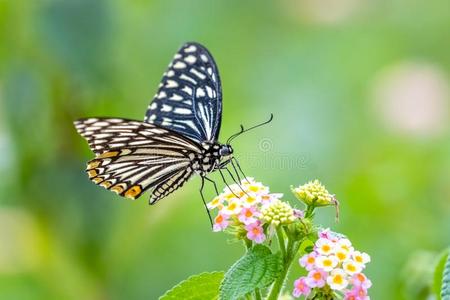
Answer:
(213, 156)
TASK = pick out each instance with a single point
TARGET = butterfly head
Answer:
(225, 150)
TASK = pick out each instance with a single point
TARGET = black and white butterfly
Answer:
(178, 138)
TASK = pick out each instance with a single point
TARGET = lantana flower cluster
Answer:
(334, 265)
(250, 208)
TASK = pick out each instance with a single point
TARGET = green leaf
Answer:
(204, 286)
(438, 273)
(258, 268)
(445, 287)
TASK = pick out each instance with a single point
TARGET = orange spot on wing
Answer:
(108, 154)
(106, 184)
(118, 188)
(92, 173)
(97, 180)
(93, 164)
(133, 192)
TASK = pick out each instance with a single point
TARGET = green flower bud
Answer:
(278, 213)
(313, 194)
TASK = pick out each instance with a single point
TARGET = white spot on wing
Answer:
(161, 95)
(204, 58)
(200, 92)
(197, 73)
(191, 59)
(190, 49)
(171, 84)
(188, 90)
(179, 65)
(182, 111)
(176, 97)
(209, 91)
(184, 77)
(166, 107)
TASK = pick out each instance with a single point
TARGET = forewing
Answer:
(133, 156)
(189, 99)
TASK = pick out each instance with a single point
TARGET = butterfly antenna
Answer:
(248, 129)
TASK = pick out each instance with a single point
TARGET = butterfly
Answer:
(177, 139)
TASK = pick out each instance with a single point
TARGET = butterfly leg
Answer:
(238, 183)
(204, 203)
(226, 183)
(240, 169)
(235, 170)
(214, 183)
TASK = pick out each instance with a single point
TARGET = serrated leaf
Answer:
(258, 268)
(445, 288)
(204, 286)
(439, 272)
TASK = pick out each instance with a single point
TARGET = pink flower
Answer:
(328, 234)
(299, 213)
(255, 232)
(316, 278)
(356, 293)
(360, 280)
(301, 288)
(269, 198)
(308, 260)
(220, 222)
(248, 215)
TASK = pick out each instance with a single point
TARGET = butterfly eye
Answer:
(225, 150)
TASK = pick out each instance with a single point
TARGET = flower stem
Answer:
(248, 244)
(280, 238)
(257, 294)
(288, 258)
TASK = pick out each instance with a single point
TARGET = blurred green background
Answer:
(359, 90)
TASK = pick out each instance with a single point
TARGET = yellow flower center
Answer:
(317, 276)
(341, 255)
(359, 259)
(338, 279)
(311, 260)
(250, 199)
(326, 248)
(229, 196)
(253, 188)
(351, 268)
(327, 263)
(232, 206)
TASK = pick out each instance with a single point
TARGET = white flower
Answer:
(325, 246)
(216, 202)
(361, 258)
(345, 245)
(337, 280)
(350, 267)
(326, 263)
(234, 207)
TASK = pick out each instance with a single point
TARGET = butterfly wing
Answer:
(189, 99)
(132, 156)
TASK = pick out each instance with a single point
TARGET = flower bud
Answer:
(313, 194)
(278, 213)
